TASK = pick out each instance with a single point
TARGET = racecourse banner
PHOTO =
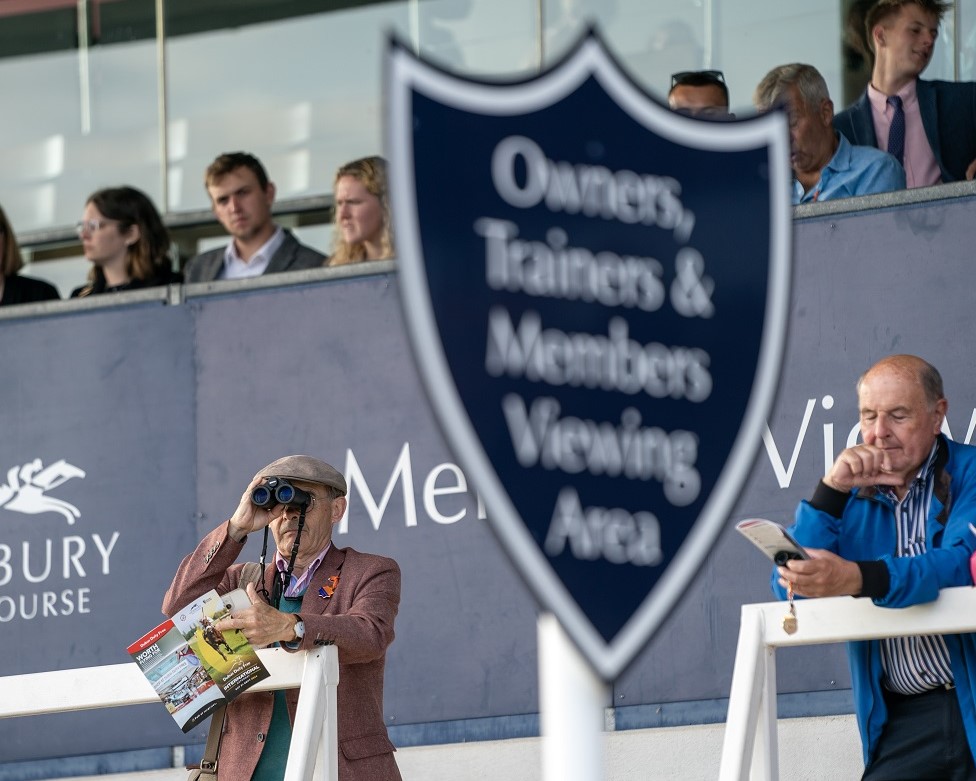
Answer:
(130, 431)
(596, 291)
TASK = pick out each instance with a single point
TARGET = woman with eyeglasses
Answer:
(14, 288)
(124, 238)
(362, 213)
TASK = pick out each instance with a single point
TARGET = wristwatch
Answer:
(299, 630)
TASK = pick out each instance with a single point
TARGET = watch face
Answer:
(300, 629)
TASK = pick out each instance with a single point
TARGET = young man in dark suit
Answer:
(930, 126)
(241, 196)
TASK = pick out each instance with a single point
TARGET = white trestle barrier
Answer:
(572, 699)
(314, 746)
(750, 749)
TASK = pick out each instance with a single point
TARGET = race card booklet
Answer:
(772, 539)
(194, 668)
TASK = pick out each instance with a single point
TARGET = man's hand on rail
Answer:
(971, 171)
(824, 574)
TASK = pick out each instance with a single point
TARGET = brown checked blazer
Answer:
(358, 618)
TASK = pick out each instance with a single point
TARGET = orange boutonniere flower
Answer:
(326, 592)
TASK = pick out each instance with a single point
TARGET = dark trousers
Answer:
(924, 738)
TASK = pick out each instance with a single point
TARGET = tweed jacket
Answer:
(358, 618)
(291, 256)
(948, 112)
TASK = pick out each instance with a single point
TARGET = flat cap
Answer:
(306, 468)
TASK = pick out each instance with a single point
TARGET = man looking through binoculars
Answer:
(313, 593)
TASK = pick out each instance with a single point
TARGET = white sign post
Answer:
(572, 699)
(583, 380)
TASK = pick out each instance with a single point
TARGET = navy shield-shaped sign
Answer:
(596, 292)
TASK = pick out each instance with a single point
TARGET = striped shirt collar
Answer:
(299, 583)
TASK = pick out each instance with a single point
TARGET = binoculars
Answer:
(277, 490)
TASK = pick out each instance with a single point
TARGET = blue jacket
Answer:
(948, 110)
(864, 530)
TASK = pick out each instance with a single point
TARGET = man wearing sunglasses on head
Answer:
(701, 94)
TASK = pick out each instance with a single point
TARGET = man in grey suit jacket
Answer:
(241, 196)
(939, 126)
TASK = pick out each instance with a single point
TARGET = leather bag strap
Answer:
(209, 762)
(252, 573)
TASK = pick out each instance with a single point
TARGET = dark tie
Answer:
(896, 134)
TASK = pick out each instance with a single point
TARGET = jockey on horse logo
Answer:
(25, 487)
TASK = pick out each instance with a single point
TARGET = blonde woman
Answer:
(362, 213)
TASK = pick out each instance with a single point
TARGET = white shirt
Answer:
(237, 268)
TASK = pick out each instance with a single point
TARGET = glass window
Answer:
(966, 36)
(77, 115)
(299, 82)
(476, 37)
(305, 94)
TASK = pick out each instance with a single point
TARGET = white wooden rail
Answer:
(750, 749)
(314, 752)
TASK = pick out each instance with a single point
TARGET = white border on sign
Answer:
(406, 73)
